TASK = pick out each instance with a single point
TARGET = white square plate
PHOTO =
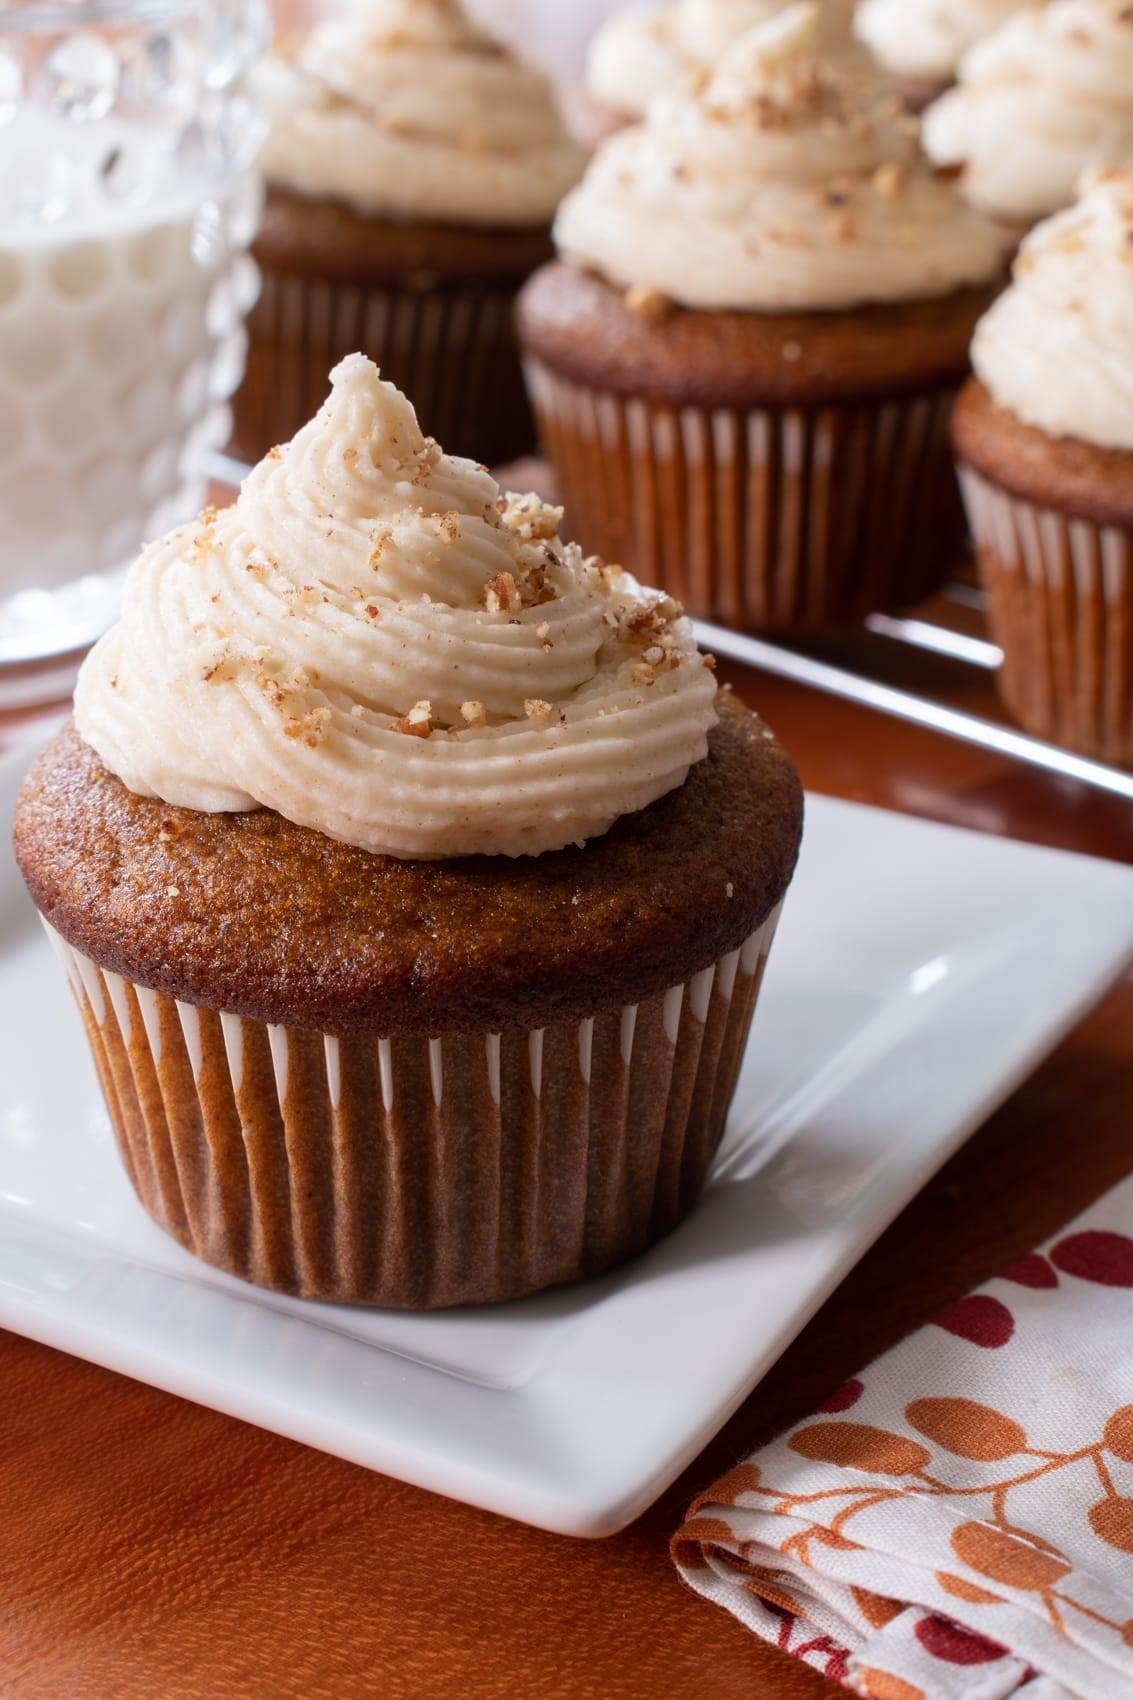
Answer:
(918, 975)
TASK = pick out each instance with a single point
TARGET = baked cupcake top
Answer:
(406, 109)
(1056, 349)
(636, 56)
(788, 179)
(1043, 99)
(376, 644)
(927, 38)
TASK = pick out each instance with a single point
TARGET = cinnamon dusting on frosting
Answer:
(1046, 97)
(711, 202)
(637, 55)
(926, 39)
(492, 690)
(1056, 348)
(406, 108)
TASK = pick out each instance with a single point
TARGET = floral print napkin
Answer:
(958, 1523)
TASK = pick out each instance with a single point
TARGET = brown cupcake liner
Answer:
(773, 519)
(418, 1172)
(452, 350)
(1060, 605)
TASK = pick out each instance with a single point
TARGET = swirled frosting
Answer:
(1057, 346)
(790, 178)
(638, 55)
(927, 38)
(1043, 99)
(406, 109)
(375, 644)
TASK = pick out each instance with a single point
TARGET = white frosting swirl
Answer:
(927, 38)
(1057, 347)
(788, 179)
(636, 56)
(405, 109)
(1045, 98)
(373, 644)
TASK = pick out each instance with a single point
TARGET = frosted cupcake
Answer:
(1045, 98)
(414, 882)
(921, 42)
(413, 169)
(637, 55)
(743, 362)
(1044, 435)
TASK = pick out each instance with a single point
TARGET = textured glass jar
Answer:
(128, 198)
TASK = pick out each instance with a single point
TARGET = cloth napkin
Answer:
(957, 1524)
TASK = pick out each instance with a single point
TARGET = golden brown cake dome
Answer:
(414, 880)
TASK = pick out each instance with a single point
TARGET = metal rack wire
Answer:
(779, 658)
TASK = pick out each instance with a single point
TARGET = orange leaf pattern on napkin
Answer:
(957, 1523)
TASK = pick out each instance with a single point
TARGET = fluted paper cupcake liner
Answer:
(453, 351)
(1060, 605)
(419, 1172)
(770, 519)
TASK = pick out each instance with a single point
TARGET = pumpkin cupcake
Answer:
(414, 882)
(1044, 436)
(413, 169)
(1045, 98)
(921, 42)
(744, 360)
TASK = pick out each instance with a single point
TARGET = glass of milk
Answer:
(128, 198)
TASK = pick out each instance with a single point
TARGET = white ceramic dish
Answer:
(919, 973)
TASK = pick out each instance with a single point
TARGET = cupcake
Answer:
(1044, 437)
(921, 42)
(414, 882)
(637, 55)
(1045, 98)
(743, 362)
(413, 168)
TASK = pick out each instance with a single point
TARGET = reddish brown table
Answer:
(151, 1550)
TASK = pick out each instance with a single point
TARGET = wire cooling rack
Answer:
(933, 635)
(787, 660)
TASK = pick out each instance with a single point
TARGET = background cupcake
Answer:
(743, 364)
(413, 169)
(921, 42)
(1046, 97)
(414, 887)
(636, 55)
(1044, 434)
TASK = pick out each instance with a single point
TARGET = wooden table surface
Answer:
(152, 1550)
